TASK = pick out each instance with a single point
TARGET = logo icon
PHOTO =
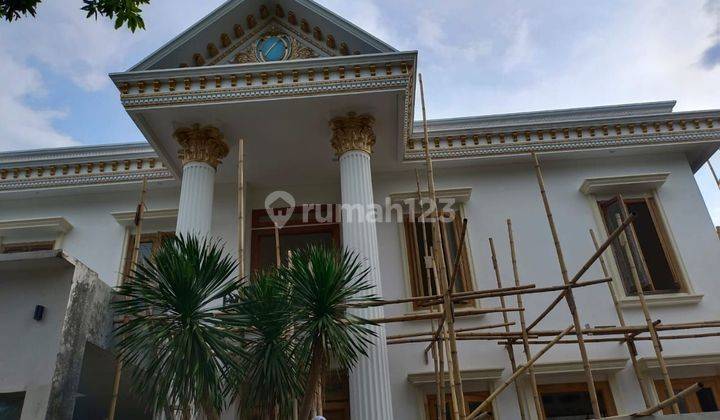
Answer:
(274, 203)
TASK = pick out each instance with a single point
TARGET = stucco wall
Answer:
(498, 192)
(29, 347)
(510, 191)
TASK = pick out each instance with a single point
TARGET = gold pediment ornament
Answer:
(297, 50)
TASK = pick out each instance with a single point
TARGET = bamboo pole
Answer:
(632, 350)
(584, 268)
(457, 330)
(241, 207)
(439, 266)
(646, 312)
(669, 401)
(484, 405)
(439, 375)
(439, 315)
(569, 295)
(526, 347)
(508, 348)
(139, 212)
(605, 340)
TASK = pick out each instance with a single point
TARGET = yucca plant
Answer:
(183, 353)
(321, 284)
(270, 378)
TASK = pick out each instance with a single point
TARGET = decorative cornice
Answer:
(624, 183)
(20, 184)
(201, 144)
(68, 155)
(352, 132)
(673, 128)
(475, 375)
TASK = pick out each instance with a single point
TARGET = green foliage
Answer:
(268, 347)
(125, 12)
(270, 375)
(295, 323)
(184, 354)
(323, 283)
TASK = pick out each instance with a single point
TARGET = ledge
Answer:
(152, 219)
(673, 299)
(624, 184)
(460, 195)
(475, 375)
(706, 359)
(607, 366)
(23, 230)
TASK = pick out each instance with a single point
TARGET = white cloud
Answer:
(24, 127)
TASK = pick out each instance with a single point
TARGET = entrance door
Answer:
(299, 232)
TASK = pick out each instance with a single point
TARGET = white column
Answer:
(370, 394)
(202, 149)
(196, 198)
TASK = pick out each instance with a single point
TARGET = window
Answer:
(416, 249)
(704, 400)
(304, 227)
(472, 401)
(11, 405)
(149, 242)
(572, 401)
(27, 247)
(649, 244)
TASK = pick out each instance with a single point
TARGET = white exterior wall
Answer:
(498, 192)
(510, 191)
(31, 370)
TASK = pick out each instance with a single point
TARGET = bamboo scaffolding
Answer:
(439, 315)
(537, 402)
(508, 348)
(632, 350)
(669, 401)
(139, 213)
(436, 350)
(582, 271)
(646, 312)
(484, 405)
(439, 269)
(457, 330)
(569, 296)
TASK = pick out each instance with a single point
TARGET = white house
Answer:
(326, 114)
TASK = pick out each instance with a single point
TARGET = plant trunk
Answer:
(209, 412)
(316, 368)
(168, 413)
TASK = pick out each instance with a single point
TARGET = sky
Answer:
(477, 57)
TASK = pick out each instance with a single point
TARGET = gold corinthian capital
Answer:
(352, 132)
(201, 144)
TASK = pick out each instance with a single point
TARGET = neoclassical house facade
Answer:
(283, 104)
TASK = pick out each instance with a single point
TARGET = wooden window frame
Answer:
(693, 404)
(661, 227)
(260, 228)
(17, 247)
(601, 387)
(155, 237)
(413, 255)
(470, 397)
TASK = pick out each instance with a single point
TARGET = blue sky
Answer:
(477, 57)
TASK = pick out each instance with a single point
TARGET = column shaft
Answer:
(370, 394)
(196, 198)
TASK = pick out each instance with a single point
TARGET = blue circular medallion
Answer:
(272, 48)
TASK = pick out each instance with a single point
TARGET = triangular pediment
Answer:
(234, 34)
